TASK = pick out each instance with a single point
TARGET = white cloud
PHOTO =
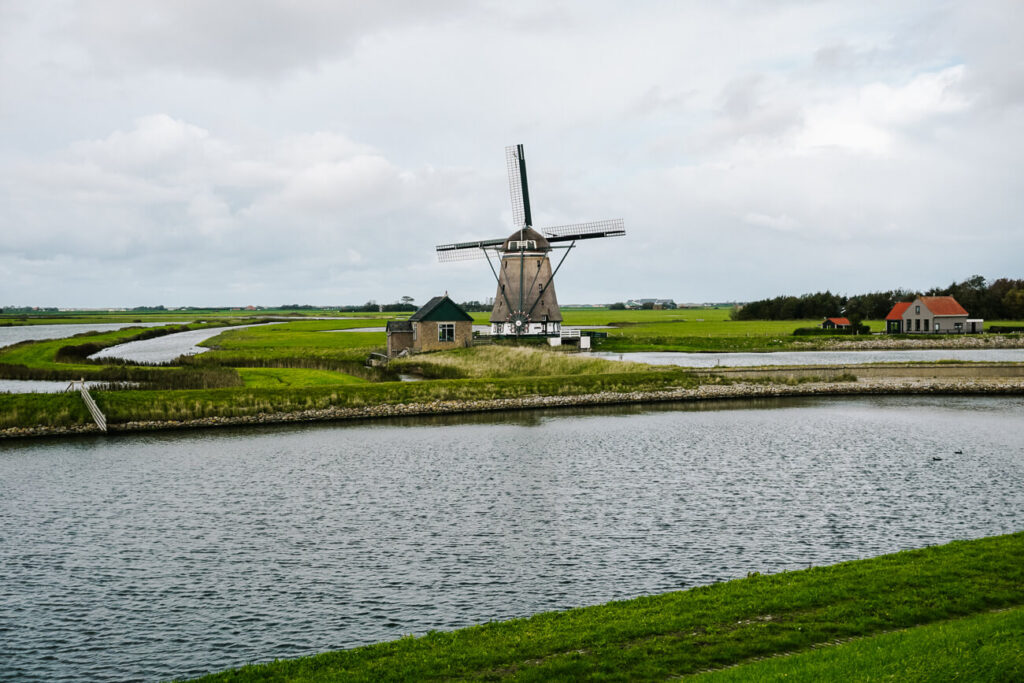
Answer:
(872, 118)
(320, 150)
(782, 223)
(249, 40)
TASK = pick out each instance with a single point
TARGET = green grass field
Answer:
(915, 615)
(87, 317)
(291, 362)
(313, 339)
(274, 378)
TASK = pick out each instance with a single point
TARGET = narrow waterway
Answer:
(167, 348)
(34, 386)
(19, 333)
(146, 557)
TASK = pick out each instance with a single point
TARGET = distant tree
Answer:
(397, 308)
(474, 306)
(647, 305)
(1013, 304)
(617, 306)
(855, 322)
(407, 299)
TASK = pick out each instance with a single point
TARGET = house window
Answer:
(959, 327)
(917, 324)
(446, 332)
(917, 310)
(936, 327)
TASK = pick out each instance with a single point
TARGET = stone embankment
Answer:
(881, 342)
(705, 392)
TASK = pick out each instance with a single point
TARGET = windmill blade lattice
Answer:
(465, 251)
(450, 256)
(608, 228)
(515, 160)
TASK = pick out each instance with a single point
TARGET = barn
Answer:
(439, 324)
(835, 324)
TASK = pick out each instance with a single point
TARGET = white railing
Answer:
(97, 415)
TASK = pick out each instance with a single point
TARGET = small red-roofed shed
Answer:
(835, 324)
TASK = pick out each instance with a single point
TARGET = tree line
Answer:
(1001, 299)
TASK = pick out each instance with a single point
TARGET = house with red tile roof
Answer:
(835, 324)
(930, 315)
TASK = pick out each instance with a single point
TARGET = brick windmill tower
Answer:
(525, 303)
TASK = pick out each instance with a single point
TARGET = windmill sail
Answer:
(518, 187)
(585, 231)
(465, 251)
(525, 301)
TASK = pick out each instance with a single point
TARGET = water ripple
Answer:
(154, 556)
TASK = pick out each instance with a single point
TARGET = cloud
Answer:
(249, 40)
(164, 192)
(872, 118)
(321, 150)
(781, 223)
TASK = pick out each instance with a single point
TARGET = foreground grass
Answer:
(976, 648)
(664, 636)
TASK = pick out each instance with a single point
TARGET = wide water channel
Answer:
(144, 557)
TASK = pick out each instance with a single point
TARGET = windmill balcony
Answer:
(538, 329)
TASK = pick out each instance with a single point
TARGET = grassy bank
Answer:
(65, 359)
(19, 410)
(949, 590)
(975, 648)
(318, 364)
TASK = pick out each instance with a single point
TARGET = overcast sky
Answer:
(266, 152)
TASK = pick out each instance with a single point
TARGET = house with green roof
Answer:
(439, 324)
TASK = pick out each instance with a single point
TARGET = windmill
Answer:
(525, 303)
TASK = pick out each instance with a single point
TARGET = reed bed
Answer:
(511, 361)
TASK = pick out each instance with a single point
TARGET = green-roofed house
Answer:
(439, 324)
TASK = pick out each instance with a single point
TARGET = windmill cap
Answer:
(527, 235)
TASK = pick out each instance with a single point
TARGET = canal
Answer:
(146, 557)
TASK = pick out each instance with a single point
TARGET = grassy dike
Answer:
(63, 410)
(951, 612)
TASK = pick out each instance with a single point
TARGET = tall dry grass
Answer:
(510, 361)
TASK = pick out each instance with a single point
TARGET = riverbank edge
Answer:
(705, 392)
(874, 342)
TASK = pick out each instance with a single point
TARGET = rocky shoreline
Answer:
(881, 342)
(706, 392)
